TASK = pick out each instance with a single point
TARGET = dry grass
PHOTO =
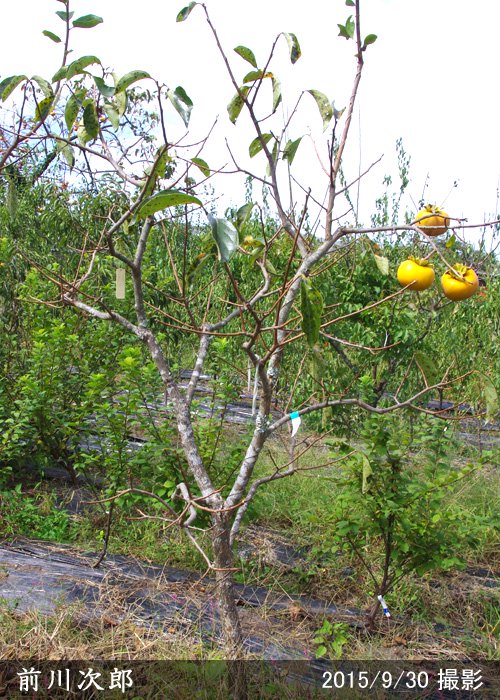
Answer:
(122, 632)
(64, 636)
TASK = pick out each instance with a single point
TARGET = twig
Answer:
(106, 536)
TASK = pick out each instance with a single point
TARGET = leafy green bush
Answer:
(331, 638)
(393, 508)
(32, 516)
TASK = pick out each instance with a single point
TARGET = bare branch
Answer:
(398, 405)
(251, 493)
(181, 493)
(200, 359)
(343, 139)
(103, 315)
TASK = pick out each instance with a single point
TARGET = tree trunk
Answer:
(229, 617)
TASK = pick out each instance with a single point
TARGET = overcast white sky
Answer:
(431, 79)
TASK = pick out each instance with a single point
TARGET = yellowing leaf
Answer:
(181, 102)
(324, 106)
(8, 85)
(490, 396)
(382, 263)
(236, 105)
(77, 67)
(132, 77)
(90, 120)
(202, 165)
(43, 108)
(428, 368)
(293, 46)
(258, 144)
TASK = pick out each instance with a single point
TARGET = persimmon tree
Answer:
(210, 280)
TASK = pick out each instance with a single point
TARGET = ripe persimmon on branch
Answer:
(266, 287)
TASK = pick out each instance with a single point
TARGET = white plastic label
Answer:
(296, 420)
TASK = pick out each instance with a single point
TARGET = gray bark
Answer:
(230, 619)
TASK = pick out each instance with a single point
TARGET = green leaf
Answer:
(52, 36)
(182, 103)
(270, 268)
(8, 85)
(450, 243)
(256, 75)
(87, 21)
(246, 54)
(120, 103)
(324, 106)
(225, 236)
(43, 108)
(321, 651)
(274, 157)
(337, 113)
(67, 152)
(202, 165)
(429, 370)
(78, 66)
(214, 670)
(382, 263)
(293, 46)
(311, 308)
(90, 120)
(12, 198)
(243, 215)
(367, 472)
(318, 364)
(105, 90)
(3, 85)
(73, 107)
(69, 156)
(197, 266)
(347, 30)
(163, 200)
(350, 26)
(276, 93)
(60, 74)
(185, 12)
(253, 76)
(350, 3)
(369, 39)
(257, 252)
(83, 137)
(132, 77)
(159, 170)
(64, 15)
(44, 85)
(236, 105)
(490, 396)
(291, 149)
(112, 114)
(257, 144)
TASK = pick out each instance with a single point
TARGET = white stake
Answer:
(120, 283)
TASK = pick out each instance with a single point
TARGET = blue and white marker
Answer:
(384, 606)
(296, 420)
